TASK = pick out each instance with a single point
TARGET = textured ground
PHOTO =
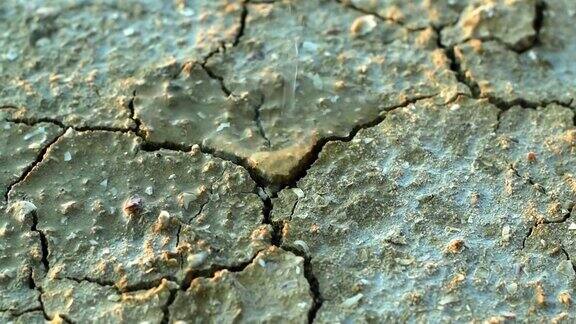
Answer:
(287, 161)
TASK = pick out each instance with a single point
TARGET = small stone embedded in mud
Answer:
(104, 183)
(506, 233)
(565, 298)
(185, 198)
(164, 221)
(363, 25)
(455, 246)
(352, 301)
(196, 260)
(133, 206)
(66, 207)
(23, 211)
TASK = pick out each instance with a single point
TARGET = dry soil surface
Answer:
(288, 161)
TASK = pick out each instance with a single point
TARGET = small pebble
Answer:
(352, 301)
(11, 55)
(299, 193)
(262, 263)
(133, 206)
(196, 260)
(565, 298)
(67, 207)
(163, 221)
(128, 31)
(185, 198)
(303, 246)
(23, 211)
(506, 233)
(363, 25)
(222, 126)
(455, 246)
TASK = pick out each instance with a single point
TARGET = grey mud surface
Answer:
(287, 161)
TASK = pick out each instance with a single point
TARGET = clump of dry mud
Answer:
(287, 161)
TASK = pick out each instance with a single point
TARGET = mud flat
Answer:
(287, 161)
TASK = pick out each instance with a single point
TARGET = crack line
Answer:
(39, 158)
(349, 4)
(537, 25)
(43, 242)
(311, 157)
(136, 120)
(99, 282)
(242, 28)
(213, 269)
(33, 285)
(317, 299)
(222, 49)
(141, 286)
(567, 257)
(218, 78)
(35, 121)
(463, 77)
(6, 107)
(538, 187)
(258, 121)
(166, 307)
(306, 162)
(543, 222)
(267, 207)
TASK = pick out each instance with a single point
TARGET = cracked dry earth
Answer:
(287, 161)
